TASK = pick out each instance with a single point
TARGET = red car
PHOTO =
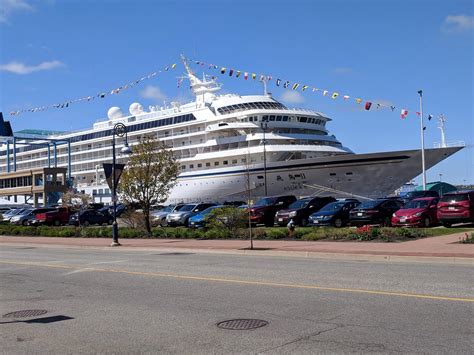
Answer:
(456, 207)
(420, 212)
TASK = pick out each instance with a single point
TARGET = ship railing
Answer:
(449, 144)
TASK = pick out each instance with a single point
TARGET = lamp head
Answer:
(126, 149)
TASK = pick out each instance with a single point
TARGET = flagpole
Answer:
(422, 128)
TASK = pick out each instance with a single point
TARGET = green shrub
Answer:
(276, 233)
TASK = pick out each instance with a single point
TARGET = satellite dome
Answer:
(135, 108)
(114, 113)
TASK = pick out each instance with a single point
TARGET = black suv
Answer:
(299, 211)
(374, 212)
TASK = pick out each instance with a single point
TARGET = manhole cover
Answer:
(177, 253)
(242, 324)
(26, 313)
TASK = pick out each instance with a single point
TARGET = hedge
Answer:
(307, 233)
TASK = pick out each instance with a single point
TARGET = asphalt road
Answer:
(120, 301)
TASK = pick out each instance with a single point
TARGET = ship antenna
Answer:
(186, 65)
(264, 82)
(442, 120)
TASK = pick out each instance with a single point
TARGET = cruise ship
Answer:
(229, 147)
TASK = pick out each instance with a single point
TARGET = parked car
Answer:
(334, 214)
(159, 217)
(181, 217)
(377, 211)
(121, 208)
(420, 212)
(55, 217)
(13, 212)
(456, 207)
(418, 194)
(265, 209)
(88, 217)
(23, 218)
(201, 219)
(300, 210)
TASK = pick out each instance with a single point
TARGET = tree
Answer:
(150, 174)
(75, 199)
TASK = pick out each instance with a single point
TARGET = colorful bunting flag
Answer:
(346, 97)
(334, 95)
(278, 81)
(358, 101)
(368, 105)
(237, 74)
(295, 86)
(304, 87)
(223, 70)
(231, 72)
(325, 92)
(403, 113)
(246, 75)
(285, 85)
(254, 76)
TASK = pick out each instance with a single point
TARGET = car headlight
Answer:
(394, 215)
(292, 214)
(327, 217)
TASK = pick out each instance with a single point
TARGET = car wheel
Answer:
(86, 223)
(24, 223)
(386, 222)
(164, 222)
(426, 222)
(338, 223)
(304, 222)
(447, 224)
(57, 223)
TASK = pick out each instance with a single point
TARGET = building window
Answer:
(208, 164)
(191, 166)
(234, 161)
(183, 167)
(199, 165)
(225, 162)
(216, 163)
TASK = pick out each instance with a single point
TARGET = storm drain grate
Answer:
(242, 324)
(26, 313)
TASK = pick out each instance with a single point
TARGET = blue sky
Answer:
(53, 51)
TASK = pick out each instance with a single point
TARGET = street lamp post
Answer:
(264, 126)
(119, 130)
(422, 129)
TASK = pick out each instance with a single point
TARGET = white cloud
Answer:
(7, 7)
(153, 92)
(458, 23)
(292, 97)
(20, 68)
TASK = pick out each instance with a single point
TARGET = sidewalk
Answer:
(441, 249)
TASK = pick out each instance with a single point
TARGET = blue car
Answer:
(334, 214)
(199, 220)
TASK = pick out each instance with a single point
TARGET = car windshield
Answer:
(417, 204)
(267, 201)
(187, 208)
(369, 204)
(166, 209)
(299, 204)
(455, 198)
(333, 206)
(178, 208)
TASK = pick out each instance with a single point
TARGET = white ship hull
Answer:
(359, 175)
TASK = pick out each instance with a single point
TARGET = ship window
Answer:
(107, 191)
(349, 173)
(191, 166)
(259, 177)
(278, 118)
(234, 161)
(285, 118)
(199, 165)
(216, 163)
(225, 162)
(208, 164)
(303, 119)
(183, 167)
(243, 160)
(272, 118)
(264, 118)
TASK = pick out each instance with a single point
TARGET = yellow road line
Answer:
(245, 282)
